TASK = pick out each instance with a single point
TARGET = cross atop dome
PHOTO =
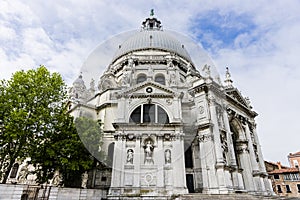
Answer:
(151, 23)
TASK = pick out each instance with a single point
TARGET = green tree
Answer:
(35, 124)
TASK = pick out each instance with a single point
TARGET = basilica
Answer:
(170, 127)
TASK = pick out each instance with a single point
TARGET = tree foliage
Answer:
(35, 124)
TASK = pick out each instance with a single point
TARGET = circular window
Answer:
(149, 90)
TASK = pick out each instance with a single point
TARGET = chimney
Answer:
(279, 165)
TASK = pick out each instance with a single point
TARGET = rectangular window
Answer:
(279, 189)
(103, 178)
(298, 186)
(288, 189)
(149, 113)
(276, 176)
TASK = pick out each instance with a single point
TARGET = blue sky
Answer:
(260, 43)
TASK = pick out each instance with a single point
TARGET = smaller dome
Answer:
(79, 81)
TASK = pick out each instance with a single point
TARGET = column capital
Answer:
(205, 138)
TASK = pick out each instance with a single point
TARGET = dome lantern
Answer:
(151, 23)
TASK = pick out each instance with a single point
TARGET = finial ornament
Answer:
(228, 81)
(152, 12)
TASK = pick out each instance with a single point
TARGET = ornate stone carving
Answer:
(206, 70)
(219, 112)
(224, 146)
(242, 148)
(201, 109)
(205, 138)
(84, 179)
(167, 156)
(148, 148)
(129, 159)
(24, 172)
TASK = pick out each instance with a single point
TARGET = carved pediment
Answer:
(237, 96)
(149, 89)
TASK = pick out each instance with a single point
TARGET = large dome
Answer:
(152, 39)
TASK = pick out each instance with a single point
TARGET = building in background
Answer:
(285, 180)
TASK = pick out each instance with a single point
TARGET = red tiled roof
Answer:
(276, 164)
(282, 171)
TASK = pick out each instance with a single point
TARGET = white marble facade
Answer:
(173, 129)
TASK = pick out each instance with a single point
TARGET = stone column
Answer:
(137, 162)
(220, 163)
(254, 164)
(117, 168)
(262, 167)
(215, 130)
(242, 148)
(232, 162)
(178, 162)
(160, 161)
(208, 161)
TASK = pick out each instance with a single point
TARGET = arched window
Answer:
(14, 170)
(111, 149)
(149, 113)
(141, 78)
(160, 79)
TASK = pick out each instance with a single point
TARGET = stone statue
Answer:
(92, 84)
(168, 156)
(206, 70)
(148, 152)
(125, 79)
(23, 174)
(129, 156)
(189, 69)
(219, 112)
(172, 78)
(84, 180)
(57, 179)
(224, 146)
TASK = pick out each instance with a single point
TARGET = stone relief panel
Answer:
(202, 112)
(168, 159)
(148, 179)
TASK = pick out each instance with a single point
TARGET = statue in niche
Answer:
(224, 146)
(129, 156)
(220, 116)
(149, 152)
(150, 73)
(168, 156)
(172, 78)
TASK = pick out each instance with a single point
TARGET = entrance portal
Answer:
(190, 183)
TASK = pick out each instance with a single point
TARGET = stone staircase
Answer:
(197, 196)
